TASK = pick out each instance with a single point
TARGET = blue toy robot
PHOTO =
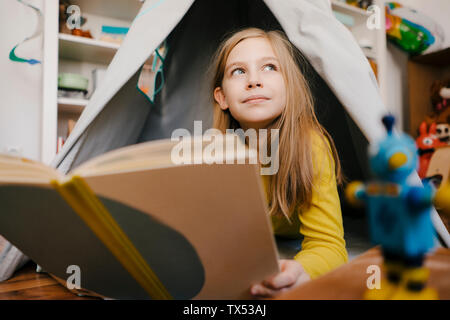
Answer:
(399, 216)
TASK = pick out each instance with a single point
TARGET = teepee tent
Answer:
(347, 99)
(346, 93)
(118, 114)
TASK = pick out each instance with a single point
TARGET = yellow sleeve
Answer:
(323, 246)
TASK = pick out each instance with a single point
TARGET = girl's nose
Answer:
(254, 80)
(253, 84)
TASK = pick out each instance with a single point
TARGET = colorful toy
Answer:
(440, 95)
(427, 142)
(443, 132)
(412, 31)
(442, 199)
(399, 217)
(440, 99)
(363, 4)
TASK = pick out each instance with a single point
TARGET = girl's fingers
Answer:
(262, 291)
(290, 272)
(281, 280)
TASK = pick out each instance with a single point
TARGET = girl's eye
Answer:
(237, 71)
(270, 67)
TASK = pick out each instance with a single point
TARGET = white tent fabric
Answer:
(118, 115)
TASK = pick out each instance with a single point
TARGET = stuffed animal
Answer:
(427, 142)
(399, 217)
(440, 96)
(363, 4)
(440, 99)
(443, 132)
(442, 202)
(442, 199)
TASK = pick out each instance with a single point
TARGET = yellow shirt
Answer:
(323, 245)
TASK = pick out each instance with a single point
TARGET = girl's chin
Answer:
(256, 123)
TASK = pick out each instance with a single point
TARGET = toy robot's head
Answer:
(395, 157)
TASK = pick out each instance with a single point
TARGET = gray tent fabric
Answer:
(347, 100)
(130, 122)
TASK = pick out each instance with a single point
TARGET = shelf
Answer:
(423, 71)
(118, 9)
(438, 58)
(349, 9)
(85, 49)
(72, 105)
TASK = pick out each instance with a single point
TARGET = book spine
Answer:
(91, 210)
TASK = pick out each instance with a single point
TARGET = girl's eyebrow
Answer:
(243, 63)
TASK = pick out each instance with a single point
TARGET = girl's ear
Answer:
(220, 98)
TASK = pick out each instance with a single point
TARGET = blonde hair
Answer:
(293, 183)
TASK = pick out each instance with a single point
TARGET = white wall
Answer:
(397, 91)
(20, 83)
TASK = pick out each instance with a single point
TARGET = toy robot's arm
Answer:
(355, 193)
(420, 198)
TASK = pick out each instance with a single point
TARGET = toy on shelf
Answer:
(443, 132)
(439, 166)
(412, 31)
(399, 217)
(113, 34)
(440, 99)
(363, 4)
(82, 33)
(72, 85)
(440, 95)
(68, 15)
(426, 142)
(442, 199)
(438, 175)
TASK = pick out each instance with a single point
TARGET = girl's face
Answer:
(253, 87)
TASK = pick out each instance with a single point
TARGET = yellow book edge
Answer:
(77, 193)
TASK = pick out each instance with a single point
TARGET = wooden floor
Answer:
(346, 282)
(28, 284)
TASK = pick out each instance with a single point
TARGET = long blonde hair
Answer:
(293, 183)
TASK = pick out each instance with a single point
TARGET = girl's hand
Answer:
(292, 275)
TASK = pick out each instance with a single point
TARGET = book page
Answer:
(21, 170)
(135, 156)
(165, 153)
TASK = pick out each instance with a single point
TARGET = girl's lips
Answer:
(256, 99)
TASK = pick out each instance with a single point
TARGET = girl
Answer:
(258, 84)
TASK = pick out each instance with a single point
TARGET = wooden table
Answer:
(348, 282)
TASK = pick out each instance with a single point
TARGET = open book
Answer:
(139, 225)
